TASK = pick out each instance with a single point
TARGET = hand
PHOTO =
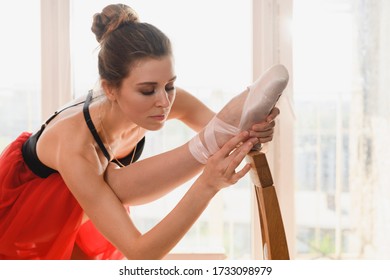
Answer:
(264, 131)
(220, 170)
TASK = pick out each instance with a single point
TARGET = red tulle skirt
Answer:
(39, 217)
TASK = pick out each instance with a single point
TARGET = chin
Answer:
(154, 127)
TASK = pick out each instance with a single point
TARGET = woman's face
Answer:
(147, 94)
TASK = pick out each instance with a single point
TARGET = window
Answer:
(213, 55)
(342, 104)
(19, 69)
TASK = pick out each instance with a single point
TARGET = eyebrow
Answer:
(155, 83)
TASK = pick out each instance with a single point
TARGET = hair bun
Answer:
(111, 17)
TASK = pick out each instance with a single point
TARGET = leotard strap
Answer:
(92, 127)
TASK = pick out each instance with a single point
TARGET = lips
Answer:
(158, 117)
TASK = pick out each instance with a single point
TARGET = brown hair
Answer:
(125, 40)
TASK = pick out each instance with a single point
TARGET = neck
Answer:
(114, 123)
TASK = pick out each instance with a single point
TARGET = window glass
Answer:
(19, 68)
(341, 75)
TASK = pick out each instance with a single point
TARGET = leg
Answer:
(250, 107)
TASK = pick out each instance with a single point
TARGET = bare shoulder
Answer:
(78, 160)
(68, 138)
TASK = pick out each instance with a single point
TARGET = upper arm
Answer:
(190, 110)
(83, 174)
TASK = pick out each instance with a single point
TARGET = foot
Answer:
(241, 113)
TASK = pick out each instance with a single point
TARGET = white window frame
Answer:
(272, 44)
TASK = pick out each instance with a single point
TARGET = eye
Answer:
(148, 92)
(170, 87)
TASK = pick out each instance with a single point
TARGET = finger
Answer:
(269, 121)
(230, 145)
(261, 127)
(274, 113)
(253, 140)
(238, 156)
(265, 139)
(262, 134)
(238, 175)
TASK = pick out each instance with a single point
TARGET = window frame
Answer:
(272, 44)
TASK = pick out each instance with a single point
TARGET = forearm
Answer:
(162, 238)
(220, 172)
(151, 178)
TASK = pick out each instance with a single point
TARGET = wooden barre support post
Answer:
(272, 229)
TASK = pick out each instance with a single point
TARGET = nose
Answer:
(162, 99)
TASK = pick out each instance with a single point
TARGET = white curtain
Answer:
(370, 131)
(56, 66)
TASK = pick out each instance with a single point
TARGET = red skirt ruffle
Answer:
(39, 217)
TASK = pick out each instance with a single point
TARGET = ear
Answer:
(109, 90)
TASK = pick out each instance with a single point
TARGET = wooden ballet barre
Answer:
(274, 243)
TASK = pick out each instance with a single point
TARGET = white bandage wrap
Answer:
(217, 125)
(198, 150)
(202, 152)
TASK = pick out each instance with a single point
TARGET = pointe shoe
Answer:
(241, 113)
(254, 104)
(263, 95)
